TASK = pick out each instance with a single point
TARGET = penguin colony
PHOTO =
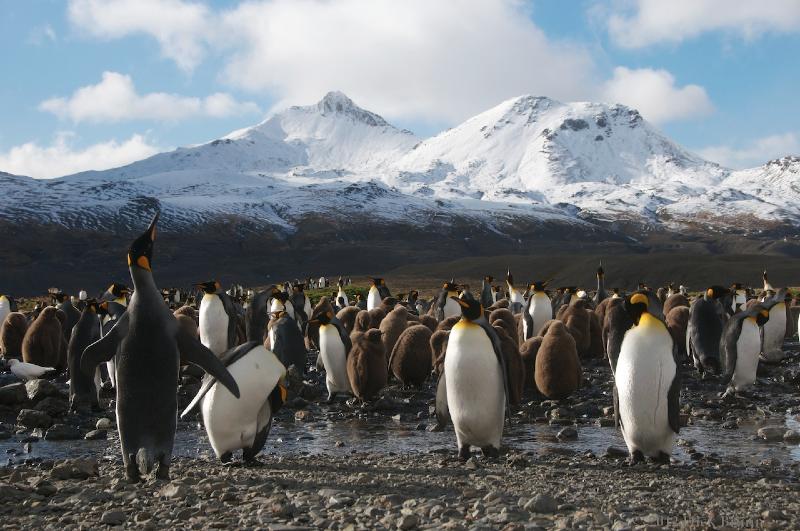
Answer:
(483, 351)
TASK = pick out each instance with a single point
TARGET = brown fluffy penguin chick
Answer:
(515, 372)
(376, 315)
(187, 324)
(674, 301)
(188, 311)
(502, 303)
(362, 322)
(448, 323)
(558, 370)
(411, 358)
(42, 342)
(596, 348)
(438, 349)
(62, 350)
(677, 323)
(347, 316)
(509, 323)
(392, 326)
(388, 304)
(12, 332)
(527, 352)
(576, 320)
(366, 365)
(429, 321)
(600, 311)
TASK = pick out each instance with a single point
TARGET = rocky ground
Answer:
(344, 486)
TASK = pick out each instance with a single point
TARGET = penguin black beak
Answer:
(152, 228)
(461, 302)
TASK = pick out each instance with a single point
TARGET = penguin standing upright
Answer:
(12, 332)
(280, 303)
(302, 305)
(334, 346)
(64, 304)
(286, 341)
(218, 318)
(83, 393)
(42, 342)
(600, 295)
(705, 330)
(341, 294)
(740, 347)
(647, 384)
(446, 305)
(472, 392)
(116, 297)
(516, 301)
(377, 292)
(739, 297)
(487, 295)
(242, 423)
(148, 345)
(7, 305)
(538, 310)
(775, 327)
(256, 316)
(367, 365)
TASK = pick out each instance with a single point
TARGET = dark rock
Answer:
(113, 518)
(30, 418)
(13, 394)
(568, 433)
(43, 487)
(41, 389)
(771, 433)
(541, 503)
(96, 435)
(75, 469)
(62, 432)
(53, 405)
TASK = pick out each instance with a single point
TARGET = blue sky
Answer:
(99, 83)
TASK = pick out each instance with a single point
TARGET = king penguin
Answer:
(538, 310)
(487, 295)
(234, 423)
(83, 391)
(516, 301)
(334, 346)
(647, 384)
(218, 318)
(775, 328)
(473, 391)
(302, 305)
(705, 330)
(739, 297)
(148, 345)
(7, 305)
(341, 295)
(446, 305)
(600, 295)
(740, 347)
(377, 292)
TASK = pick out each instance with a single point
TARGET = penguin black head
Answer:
(636, 305)
(118, 290)
(488, 279)
(141, 252)
(209, 287)
(538, 286)
(471, 309)
(60, 296)
(281, 296)
(450, 286)
(298, 288)
(759, 314)
(600, 272)
(715, 292)
(509, 278)
(377, 282)
(93, 306)
(642, 286)
(323, 317)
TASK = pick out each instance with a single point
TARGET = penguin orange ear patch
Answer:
(143, 262)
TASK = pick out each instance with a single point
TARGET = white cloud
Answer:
(178, 26)
(60, 158)
(655, 95)
(42, 34)
(645, 22)
(755, 153)
(115, 99)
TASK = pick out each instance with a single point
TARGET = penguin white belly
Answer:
(307, 307)
(541, 311)
(111, 366)
(334, 358)
(213, 324)
(340, 295)
(774, 331)
(272, 337)
(373, 298)
(516, 296)
(231, 423)
(475, 392)
(645, 372)
(451, 308)
(748, 348)
(5, 309)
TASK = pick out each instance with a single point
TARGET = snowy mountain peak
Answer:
(337, 103)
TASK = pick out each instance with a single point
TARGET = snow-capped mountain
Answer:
(529, 157)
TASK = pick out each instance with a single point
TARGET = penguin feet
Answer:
(331, 396)
(636, 457)
(226, 458)
(249, 457)
(162, 471)
(132, 472)
(490, 452)
(464, 453)
(662, 458)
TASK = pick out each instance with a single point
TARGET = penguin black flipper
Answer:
(348, 345)
(442, 410)
(106, 347)
(728, 352)
(233, 318)
(263, 426)
(198, 354)
(441, 301)
(498, 352)
(227, 359)
(673, 402)
(526, 317)
(617, 419)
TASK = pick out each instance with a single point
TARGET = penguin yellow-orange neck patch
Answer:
(143, 262)
(647, 320)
